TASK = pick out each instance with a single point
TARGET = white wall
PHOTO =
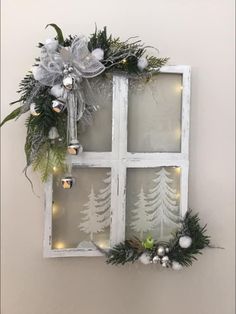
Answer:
(198, 33)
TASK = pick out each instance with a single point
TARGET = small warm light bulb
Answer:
(102, 245)
(179, 88)
(177, 195)
(54, 168)
(177, 169)
(54, 209)
(124, 61)
(178, 133)
(59, 245)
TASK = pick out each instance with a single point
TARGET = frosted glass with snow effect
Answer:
(154, 114)
(96, 137)
(153, 202)
(81, 215)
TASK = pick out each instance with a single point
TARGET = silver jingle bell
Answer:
(57, 105)
(68, 82)
(74, 148)
(155, 259)
(160, 251)
(67, 183)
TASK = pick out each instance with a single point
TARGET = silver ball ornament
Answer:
(160, 251)
(167, 250)
(165, 259)
(155, 259)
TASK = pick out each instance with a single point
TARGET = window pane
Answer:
(97, 137)
(81, 215)
(152, 204)
(154, 114)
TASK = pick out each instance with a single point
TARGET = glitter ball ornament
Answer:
(185, 242)
(68, 82)
(176, 266)
(57, 105)
(98, 53)
(74, 149)
(145, 259)
(67, 182)
(33, 110)
(160, 251)
(142, 63)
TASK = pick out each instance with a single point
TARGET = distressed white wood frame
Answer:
(118, 160)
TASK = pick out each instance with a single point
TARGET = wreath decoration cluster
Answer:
(180, 251)
(55, 92)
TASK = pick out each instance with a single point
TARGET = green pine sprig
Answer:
(130, 250)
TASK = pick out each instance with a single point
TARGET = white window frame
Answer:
(118, 160)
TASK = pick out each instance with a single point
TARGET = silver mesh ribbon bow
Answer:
(67, 67)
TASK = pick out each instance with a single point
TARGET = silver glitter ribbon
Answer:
(75, 63)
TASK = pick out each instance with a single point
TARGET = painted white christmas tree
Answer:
(141, 220)
(104, 201)
(162, 203)
(97, 210)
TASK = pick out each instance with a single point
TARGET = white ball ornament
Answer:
(176, 266)
(185, 242)
(57, 91)
(145, 259)
(51, 44)
(142, 63)
(98, 53)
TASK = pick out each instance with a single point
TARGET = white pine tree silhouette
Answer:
(97, 210)
(104, 202)
(141, 215)
(162, 202)
(91, 221)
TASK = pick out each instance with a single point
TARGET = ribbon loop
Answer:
(76, 62)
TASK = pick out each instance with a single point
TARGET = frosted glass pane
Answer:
(154, 114)
(97, 137)
(82, 214)
(153, 199)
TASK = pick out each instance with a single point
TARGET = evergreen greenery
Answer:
(131, 250)
(40, 152)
